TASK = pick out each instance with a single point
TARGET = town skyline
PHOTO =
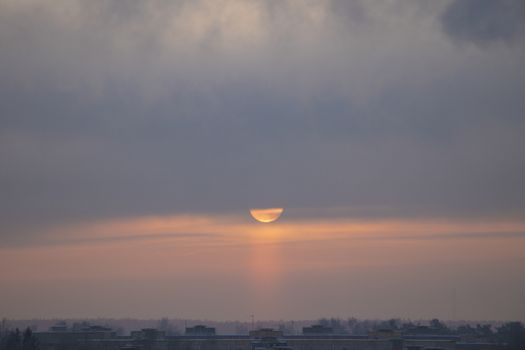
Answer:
(379, 146)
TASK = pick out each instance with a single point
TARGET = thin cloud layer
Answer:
(165, 265)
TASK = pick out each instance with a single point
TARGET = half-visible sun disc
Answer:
(266, 215)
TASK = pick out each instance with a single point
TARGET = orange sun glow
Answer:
(266, 215)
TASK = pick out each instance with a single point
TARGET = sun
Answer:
(266, 215)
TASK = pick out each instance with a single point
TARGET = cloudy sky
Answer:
(135, 136)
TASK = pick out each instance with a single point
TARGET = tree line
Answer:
(17, 340)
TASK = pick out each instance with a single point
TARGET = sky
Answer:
(135, 137)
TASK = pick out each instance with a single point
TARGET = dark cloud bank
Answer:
(108, 111)
(483, 22)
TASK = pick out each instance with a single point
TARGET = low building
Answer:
(317, 329)
(148, 334)
(60, 326)
(384, 334)
(199, 330)
(265, 333)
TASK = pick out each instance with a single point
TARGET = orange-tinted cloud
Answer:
(264, 264)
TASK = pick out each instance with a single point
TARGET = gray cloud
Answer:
(157, 108)
(485, 21)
